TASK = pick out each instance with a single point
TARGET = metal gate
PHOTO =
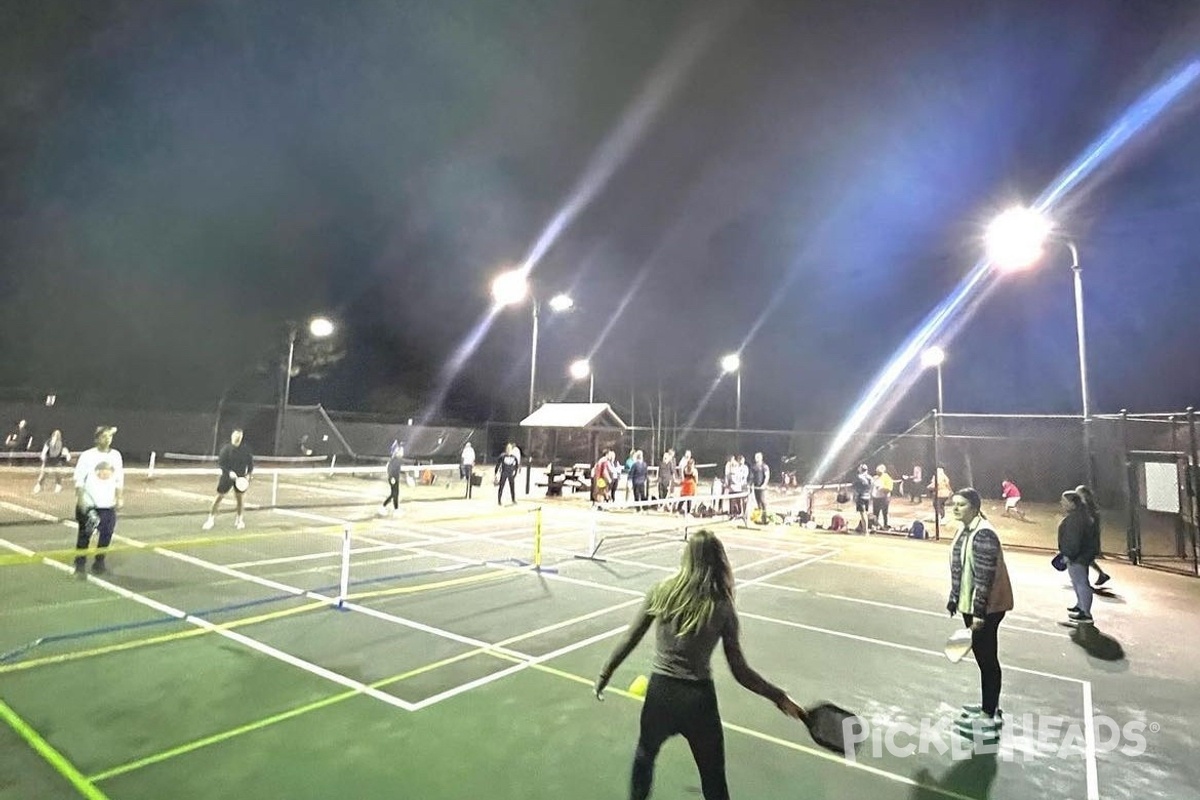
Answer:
(1162, 531)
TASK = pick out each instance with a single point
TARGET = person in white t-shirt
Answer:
(466, 464)
(99, 490)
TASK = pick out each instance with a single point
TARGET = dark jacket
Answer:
(638, 472)
(1079, 537)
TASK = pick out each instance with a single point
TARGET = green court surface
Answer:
(219, 664)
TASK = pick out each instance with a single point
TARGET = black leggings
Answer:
(688, 708)
(393, 493)
(511, 479)
(985, 648)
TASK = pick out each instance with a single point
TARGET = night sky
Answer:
(179, 180)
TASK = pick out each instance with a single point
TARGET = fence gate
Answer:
(1162, 530)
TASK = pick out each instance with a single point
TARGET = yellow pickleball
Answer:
(638, 687)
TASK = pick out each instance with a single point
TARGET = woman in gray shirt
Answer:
(694, 609)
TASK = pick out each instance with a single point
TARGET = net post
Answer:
(537, 539)
(332, 464)
(275, 489)
(150, 469)
(344, 587)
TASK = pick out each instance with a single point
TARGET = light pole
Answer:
(510, 288)
(933, 357)
(733, 363)
(318, 328)
(1015, 241)
(581, 369)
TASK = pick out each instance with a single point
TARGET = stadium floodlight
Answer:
(561, 302)
(582, 368)
(320, 327)
(733, 363)
(1016, 238)
(935, 357)
(510, 288)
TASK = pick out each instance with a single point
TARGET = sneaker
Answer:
(80, 574)
(1073, 610)
(1079, 616)
(981, 726)
(382, 512)
(99, 569)
(208, 524)
(57, 488)
(1103, 579)
(239, 523)
(972, 710)
(37, 487)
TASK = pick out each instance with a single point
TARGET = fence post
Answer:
(1133, 536)
(1192, 488)
(937, 518)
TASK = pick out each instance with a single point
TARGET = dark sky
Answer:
(180, 179)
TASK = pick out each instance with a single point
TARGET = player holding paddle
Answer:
(694, 610)
(236, 464)
(981, 591)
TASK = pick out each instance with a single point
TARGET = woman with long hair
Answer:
(694, 609)
(1093, 508)
(980, 590)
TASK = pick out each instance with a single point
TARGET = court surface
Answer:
(218, 664)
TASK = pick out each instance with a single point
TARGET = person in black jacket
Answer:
(393, 477)
(1078, 545)
(506, 472)
(235, 461)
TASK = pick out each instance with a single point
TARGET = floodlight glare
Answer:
(561, 302)
(1016, 237)
(731, 363)
(933, 357)
(580, 369)
(320, 327)
(509, 288)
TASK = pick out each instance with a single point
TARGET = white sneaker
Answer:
(57, 488)
(208, 524)
(382, 512)
(37, 487)
(239, 523)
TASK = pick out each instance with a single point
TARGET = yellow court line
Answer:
(237, 623)
(56, 759)
(259, 724)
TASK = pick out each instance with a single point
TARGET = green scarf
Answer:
(966, 586)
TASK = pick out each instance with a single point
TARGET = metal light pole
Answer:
(581, 368)
(733, 363)
(1081, 336)
(1015, 241)
(934, 357)
(281, 412)
(318, 328)
(533, 356)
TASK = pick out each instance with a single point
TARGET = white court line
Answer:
(894, 645)
(894, 607)
(200, 622)
(1089, 739)
(515, 668)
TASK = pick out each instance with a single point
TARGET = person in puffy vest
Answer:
(981, 592)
